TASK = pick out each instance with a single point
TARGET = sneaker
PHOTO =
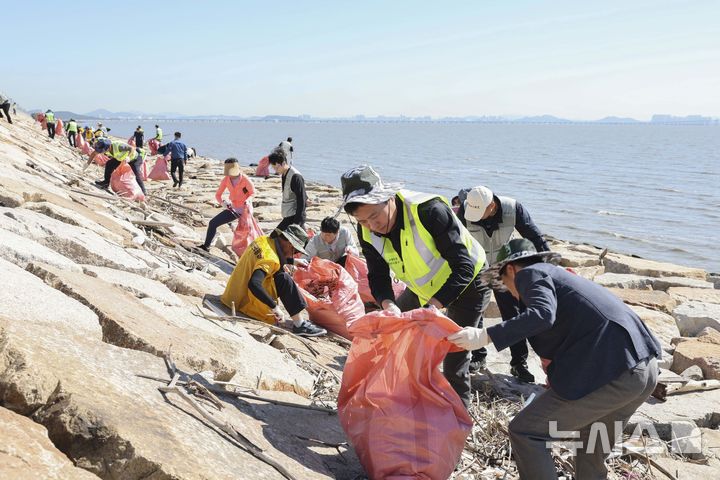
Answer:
(202, 246)
(521, 372)
(308, 329)
(102, 183)
(477, 364)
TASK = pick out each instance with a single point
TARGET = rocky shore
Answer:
(105, 303)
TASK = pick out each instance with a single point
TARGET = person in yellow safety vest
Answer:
(118, 152)
(50, 121)
(418, 238)
(89, 134)
(158, 133)
(259, 279)
(72, 129)
(100, 131)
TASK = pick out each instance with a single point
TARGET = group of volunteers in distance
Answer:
(599, 357)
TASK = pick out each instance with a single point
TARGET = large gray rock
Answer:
(623, 280)
(665, 283)
(108, 420)
(77, 243)
(589, 272)
(661, 324)
(652, 299)
(702, 352)
(140, 286)
(128, 323)
(26, 452)
(195, 283)
(692, 317)
(574, 259)
(688, 294)
(616, 263)
(71, 217)
(21, 251)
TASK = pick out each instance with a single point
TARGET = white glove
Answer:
(278, 314)
(226, 203)
(350, 250)
(393, 310)
(470, 338)
(301, 263)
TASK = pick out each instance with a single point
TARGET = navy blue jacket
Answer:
(590, 335)
(177, 150)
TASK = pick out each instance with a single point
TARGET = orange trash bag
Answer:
(100, 159)
(80, 142)
(159, 171)
(400, 413)
(331, 294)
(153, 144)
(41, 118)
(246, 232)
(358, 270)
(263, 168)
(124, 183)
(59, 130)
(131, 141)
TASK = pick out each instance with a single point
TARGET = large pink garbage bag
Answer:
(79, 142)
(358, 270)
(400, 413)
(124, 183)
(246, 232)
(153, 144)
(263, 168)
(101, 159)
(331, 294)
(41, 118)
(159, 171)
(59, 129)
(131, 141)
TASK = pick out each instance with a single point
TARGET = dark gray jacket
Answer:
(590, 335)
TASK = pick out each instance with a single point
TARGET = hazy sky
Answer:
(575, 59)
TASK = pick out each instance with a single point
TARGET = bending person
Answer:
(259, 279)
(333, 243)
(240, 188)
(118, 152)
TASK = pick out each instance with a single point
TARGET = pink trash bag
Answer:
(331, 294)
(41, 118)
(131, 141)
(153, 145)
(159, 171)
(263, 168)
(246, 232)
(124, 183)
(59, 130)
(400, 413)
(80, 142)
(358, 270)
(100, 159)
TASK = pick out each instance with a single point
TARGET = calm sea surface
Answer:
(649, 190)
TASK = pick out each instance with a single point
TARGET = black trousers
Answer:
(509, 307)
(177, 164)
(71, 138)
(289, 293)
(467, 311)
(222, 218)
(6, 109)
(51, 129)
(136, 166)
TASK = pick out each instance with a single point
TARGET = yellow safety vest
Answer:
(72, 127)
(50, 117)
(116, 153)
(421, 266)
(158, 134)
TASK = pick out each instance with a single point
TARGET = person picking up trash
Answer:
(603, 359)
(419, 238)
(118, 152)
(334, 243)
(259, 279)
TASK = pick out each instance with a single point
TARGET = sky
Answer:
(574, 59)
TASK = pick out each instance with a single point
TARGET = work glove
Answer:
(301, 263)
(350, 250)
(226, 203)
(470, 338)
(393, 310)
(279, 315)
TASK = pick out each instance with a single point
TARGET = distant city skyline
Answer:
(573, 60)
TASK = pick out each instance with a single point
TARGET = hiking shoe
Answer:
(477, 364)
(203, 247)
(521, 372)
(308, 329)
(102, 183)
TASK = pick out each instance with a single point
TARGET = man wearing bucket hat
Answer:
(603, 359)
(240, 188)
(259, 279)
(491, 220)
(418, 237)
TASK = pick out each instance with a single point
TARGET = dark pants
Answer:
(177, 164)
(71, 138)
(466, 311)
(593, 415)
(509, 307)
(287, 221)
(341, 261)
(222, 218)
(289, 293)
(110, 167)
(139, 142)
(136, 166)
(6, 109)
(51, 129)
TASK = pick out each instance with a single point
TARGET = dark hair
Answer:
(178, 135)
(289, 139)
(329, 225)
(351, 207)
(231, 160)
(157, 126)
(277, 157)
(522, 263)
(455, 199)
(139, 126)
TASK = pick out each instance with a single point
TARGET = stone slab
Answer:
(692, 317)
(623, 280)
(651, 299)
(665, 283)
(661, 324)
(21, 251)
(688, 294)
(616, 263)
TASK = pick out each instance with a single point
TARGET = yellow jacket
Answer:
(260, 255)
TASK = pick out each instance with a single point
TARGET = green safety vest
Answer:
(116, 153)
(421, 266)
(50, 117)
(158, 134)
(72, 127)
